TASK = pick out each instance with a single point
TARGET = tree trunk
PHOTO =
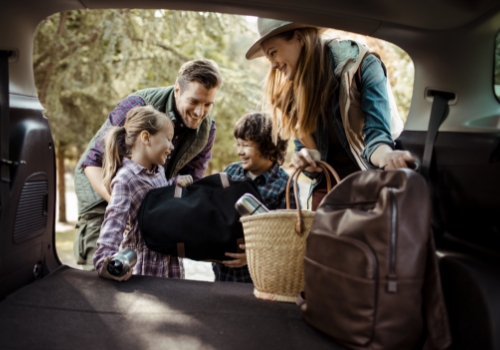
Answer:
(61, 184)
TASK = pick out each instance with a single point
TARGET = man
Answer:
(188, 104)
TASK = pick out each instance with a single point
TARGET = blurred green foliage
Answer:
(85, 62)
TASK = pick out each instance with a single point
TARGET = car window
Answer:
(85, 62)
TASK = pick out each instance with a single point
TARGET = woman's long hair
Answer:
(296, 105)
(119, 141)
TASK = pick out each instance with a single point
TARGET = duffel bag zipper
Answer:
(392, 278)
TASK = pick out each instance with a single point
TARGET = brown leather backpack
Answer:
(371, 276)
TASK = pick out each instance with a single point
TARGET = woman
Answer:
(312, 94)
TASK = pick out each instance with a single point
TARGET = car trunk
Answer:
(46, 305)
(75, 309)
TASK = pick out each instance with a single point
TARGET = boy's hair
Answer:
(257, 127)
(119, 141)
(205, 72)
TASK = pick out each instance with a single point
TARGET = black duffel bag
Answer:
(198, 222)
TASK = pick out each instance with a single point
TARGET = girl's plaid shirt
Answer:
(128, 189)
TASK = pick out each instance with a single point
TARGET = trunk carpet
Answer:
(75, 309)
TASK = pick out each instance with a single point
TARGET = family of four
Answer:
(164, 136)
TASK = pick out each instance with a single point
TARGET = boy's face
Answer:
(250, 157)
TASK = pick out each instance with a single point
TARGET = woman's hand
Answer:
(240, 259)
(388, 159)
(184, 180)
(103, 272)
(398, 159)
(307, 156)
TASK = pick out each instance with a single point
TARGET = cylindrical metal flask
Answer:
(248, 205)
(122, 262)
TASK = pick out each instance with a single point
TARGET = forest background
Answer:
(85, 62)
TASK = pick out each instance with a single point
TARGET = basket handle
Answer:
(329, 173)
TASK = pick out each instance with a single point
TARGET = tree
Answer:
(86, 61)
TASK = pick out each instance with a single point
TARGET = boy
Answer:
(260, 161)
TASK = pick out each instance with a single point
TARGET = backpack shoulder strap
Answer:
(357, 76)
(396, 122)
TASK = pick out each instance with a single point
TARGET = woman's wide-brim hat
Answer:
(270, 27)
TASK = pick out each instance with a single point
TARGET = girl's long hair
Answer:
(296, 105)
(119, 141)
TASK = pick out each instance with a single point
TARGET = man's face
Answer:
(194, 103)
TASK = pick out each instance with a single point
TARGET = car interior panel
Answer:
(452, 46)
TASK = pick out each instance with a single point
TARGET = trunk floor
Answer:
(75, 309)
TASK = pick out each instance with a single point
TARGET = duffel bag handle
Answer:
(224, 179)
(327, 170)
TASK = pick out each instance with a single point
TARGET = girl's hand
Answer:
(184, 180)
(240, 259)
(307, 156)
(103, 272)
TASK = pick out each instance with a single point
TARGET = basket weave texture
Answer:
(275, 253)
(276, 244)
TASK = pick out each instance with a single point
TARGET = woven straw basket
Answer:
(275, 246)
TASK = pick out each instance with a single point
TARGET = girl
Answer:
(312, 95)
(132, 166)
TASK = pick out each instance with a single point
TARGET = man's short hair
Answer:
(205, 72)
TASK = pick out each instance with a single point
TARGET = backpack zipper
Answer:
(349, 206)
(392, 279)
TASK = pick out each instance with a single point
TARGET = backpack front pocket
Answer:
(341, 288)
